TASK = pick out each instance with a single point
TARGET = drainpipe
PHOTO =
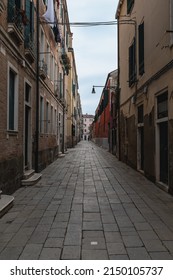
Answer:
(118, 94)
(37, 91)
(63, 117)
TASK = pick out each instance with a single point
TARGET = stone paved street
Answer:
(88, 205)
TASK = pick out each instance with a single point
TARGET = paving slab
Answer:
(71, 253)
(31, 252)
(50, 254)
(94, 255)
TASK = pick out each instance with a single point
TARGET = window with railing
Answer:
(130, 4)
(29, 24)
(15, 13)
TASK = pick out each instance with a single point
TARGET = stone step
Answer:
(28, 173)
(32, 180)
(6, 202)
(61, 155)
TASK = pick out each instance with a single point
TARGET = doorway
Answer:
(27, 129)
(141, 148)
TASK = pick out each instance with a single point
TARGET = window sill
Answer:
(12, 133)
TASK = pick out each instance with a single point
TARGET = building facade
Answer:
(105, 124)
(145, 68)
(33, 86)
(87, 122)
(74, 111)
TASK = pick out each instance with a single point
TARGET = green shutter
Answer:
(27, 27)
(32, 20)
(141, 48)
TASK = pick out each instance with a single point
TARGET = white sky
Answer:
(95, 47)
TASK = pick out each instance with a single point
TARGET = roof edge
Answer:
(118, 9)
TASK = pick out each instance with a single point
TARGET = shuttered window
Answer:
(29, 24)
(14, 7)
(141, 48)
(132, 63)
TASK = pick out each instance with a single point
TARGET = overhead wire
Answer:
(84, 24)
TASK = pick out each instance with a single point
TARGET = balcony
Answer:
(15, 23)
(43, 69)
(65, 61)
(29, 48)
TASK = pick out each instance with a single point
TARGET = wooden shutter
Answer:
(141, 48)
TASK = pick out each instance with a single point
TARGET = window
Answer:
(141, 48)
(51, 120)
(48, 59)
(55, 121)
(47, 117)
(27, 93)
(130, 4)
(29, 24)
(52, 68)
(106, 98)
(162, 105)
(140, 114)
(42, 46)
(14, 15)
(132, 63)
(61, 85)
(12, 100)
(41, 114)
(73, 89)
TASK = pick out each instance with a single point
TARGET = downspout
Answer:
(118, 93)
(37, 91)
(63, 108)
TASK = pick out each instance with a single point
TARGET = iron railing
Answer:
(15, 15)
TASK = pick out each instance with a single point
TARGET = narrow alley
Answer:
(88, 205)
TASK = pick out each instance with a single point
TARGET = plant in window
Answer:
(66, 62)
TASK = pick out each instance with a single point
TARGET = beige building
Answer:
(34, 80)
(87, 123)
(145, 84)
(72, 102)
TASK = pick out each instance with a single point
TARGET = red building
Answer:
(103, 121)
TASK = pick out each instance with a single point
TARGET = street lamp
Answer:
(105, 88)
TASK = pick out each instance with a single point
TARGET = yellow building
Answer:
(145, 84)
